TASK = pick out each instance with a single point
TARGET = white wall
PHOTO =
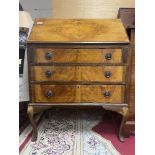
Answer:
(75, 8)
(88, 8)
(37, 8)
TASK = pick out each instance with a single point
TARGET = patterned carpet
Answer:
(67, 132)
(108, 128)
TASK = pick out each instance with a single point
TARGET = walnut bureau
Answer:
(76, 62)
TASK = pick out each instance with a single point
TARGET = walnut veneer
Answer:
(79, 62)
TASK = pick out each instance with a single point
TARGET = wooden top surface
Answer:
(78, 31)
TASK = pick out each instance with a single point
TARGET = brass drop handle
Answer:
(107, 74)
(49, 94)
(108, 56)
(48, 56)
(48, 73)
(106, 94)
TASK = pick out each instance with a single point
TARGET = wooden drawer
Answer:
(48, 55)
(79, 73)
(77, 93)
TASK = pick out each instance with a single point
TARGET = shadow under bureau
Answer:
(78, 62)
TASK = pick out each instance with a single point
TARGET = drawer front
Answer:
(48, 55)
(79, 73)
(77, 93)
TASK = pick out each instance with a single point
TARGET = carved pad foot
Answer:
(34, 136)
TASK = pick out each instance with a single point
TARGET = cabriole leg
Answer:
(124, 118)
(124, 112)
(30, 112)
